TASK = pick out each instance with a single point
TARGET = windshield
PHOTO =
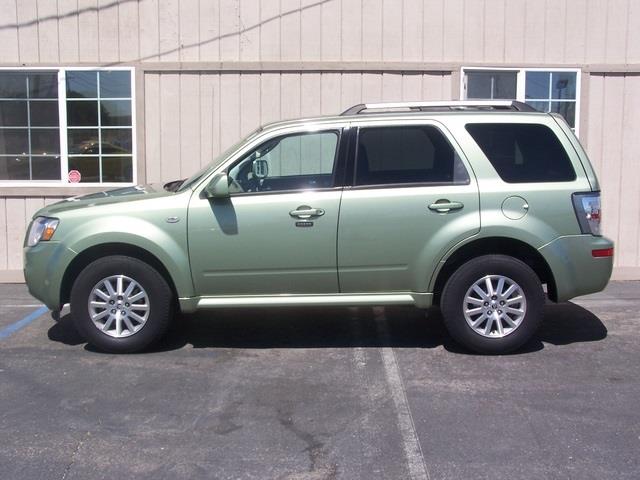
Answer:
(203, 172)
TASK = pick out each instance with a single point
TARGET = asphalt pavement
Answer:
(340, 393)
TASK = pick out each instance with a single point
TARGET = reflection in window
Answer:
(553, 92)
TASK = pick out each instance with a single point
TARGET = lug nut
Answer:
(486, 304)
(113, 311)
(499, 312)
(119, 297)
(489, 312)
(126, 304)
(111, 302)
(493, 297)
(501, 302)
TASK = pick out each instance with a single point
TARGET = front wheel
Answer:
(493, 304)
(120, 304)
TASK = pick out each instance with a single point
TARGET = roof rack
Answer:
(440, 106)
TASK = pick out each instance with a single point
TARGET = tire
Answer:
(134, 327)
(498, 323)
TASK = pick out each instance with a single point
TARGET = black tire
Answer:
(160, 301)
(453, 297)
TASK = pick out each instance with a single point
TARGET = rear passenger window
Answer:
(523, 153)
(407, 154)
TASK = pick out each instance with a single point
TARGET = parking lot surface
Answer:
(323, 393)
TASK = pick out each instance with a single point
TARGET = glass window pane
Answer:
(563, 85)
(478, 85)
(13, 85)
(115, 84)
(82, 84)
(14, 168)
(13, 113)
(44, 113)
(14, 141)
(45, 141)
(117, 169)
(537, 85)
(82, 113)
(491, 85)
(83, 141)
(567, 110)
(115, 112)
(504, 85)
(43, 85)
(116, 140)
(45, 168)
(540, 106)
(89, 168)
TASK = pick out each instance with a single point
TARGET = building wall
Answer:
(209, 72)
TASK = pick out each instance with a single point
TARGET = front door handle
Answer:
(445, 206)
(306, 212)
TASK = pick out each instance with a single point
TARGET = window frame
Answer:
(521, 74)
(62, 130)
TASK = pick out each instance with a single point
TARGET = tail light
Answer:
(587, 207)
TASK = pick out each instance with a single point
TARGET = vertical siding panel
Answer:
(290, 95)
(216, 82)
(412, 41)
(433, 31)
(249, 102)
(169, 127)
(108, 44)
(68, 31)
(290, 33)
(331, 30)
(129, 36)
(411, 87)
(27, 16)
(351, 30)
(4, 226)
(169, 30)
(205, 85)
(555, 22)
(473, 36)
(351, 90)
(597, 14)
(229, 27)
(15, 231)
(310, 94)
(149, 34)
(534, 31)
(594, 123)
(494, 31)
(453, 30)
(48, 31)
(269, 30)
(391, 31)
(371, 87)
(32, 205)
(9, 52)
(616, 36)
(630, 184)
(575, 32)
(269, 97)
(189, 124)
(329, 94)
(633, 34)
(391, 87)
(249, 30)
(209, 31)
(189, 30)
(310, 41)
(229, 105)
(514, 29)
(372, 30)
(152, 114)
(88, 30)
(432, 87)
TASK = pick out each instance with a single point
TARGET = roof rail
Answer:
(440, 106)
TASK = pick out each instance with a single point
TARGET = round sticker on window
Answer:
(74, 176)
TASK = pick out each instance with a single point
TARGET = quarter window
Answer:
(407, 155)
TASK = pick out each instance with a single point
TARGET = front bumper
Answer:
(44, 267)
(575, 270)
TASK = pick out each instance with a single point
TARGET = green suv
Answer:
(481, 208)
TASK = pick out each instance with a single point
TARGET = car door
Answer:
(413, 197)
(276, 233)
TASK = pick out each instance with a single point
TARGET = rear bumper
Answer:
(575, 270)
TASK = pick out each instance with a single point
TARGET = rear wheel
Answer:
(493, 304)
(121, 304)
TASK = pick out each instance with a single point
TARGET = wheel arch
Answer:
(501, 246)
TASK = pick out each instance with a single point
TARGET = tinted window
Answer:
(410, 154)
(523, 153)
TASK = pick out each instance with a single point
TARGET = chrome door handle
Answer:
(306, 212)
(445, 206)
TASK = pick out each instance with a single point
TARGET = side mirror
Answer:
(218, 187)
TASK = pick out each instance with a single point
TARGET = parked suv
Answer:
(478, 207)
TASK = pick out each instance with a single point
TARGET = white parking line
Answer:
(410, 442)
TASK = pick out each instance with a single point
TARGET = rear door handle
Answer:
(306, 212)
(445, 206)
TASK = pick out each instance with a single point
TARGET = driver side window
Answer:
(301, 161)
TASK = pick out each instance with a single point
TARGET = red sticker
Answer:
(74, 176)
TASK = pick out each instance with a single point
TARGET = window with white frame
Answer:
(546, 90)
(61, 126)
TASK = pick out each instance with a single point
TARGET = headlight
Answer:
(42, 228)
